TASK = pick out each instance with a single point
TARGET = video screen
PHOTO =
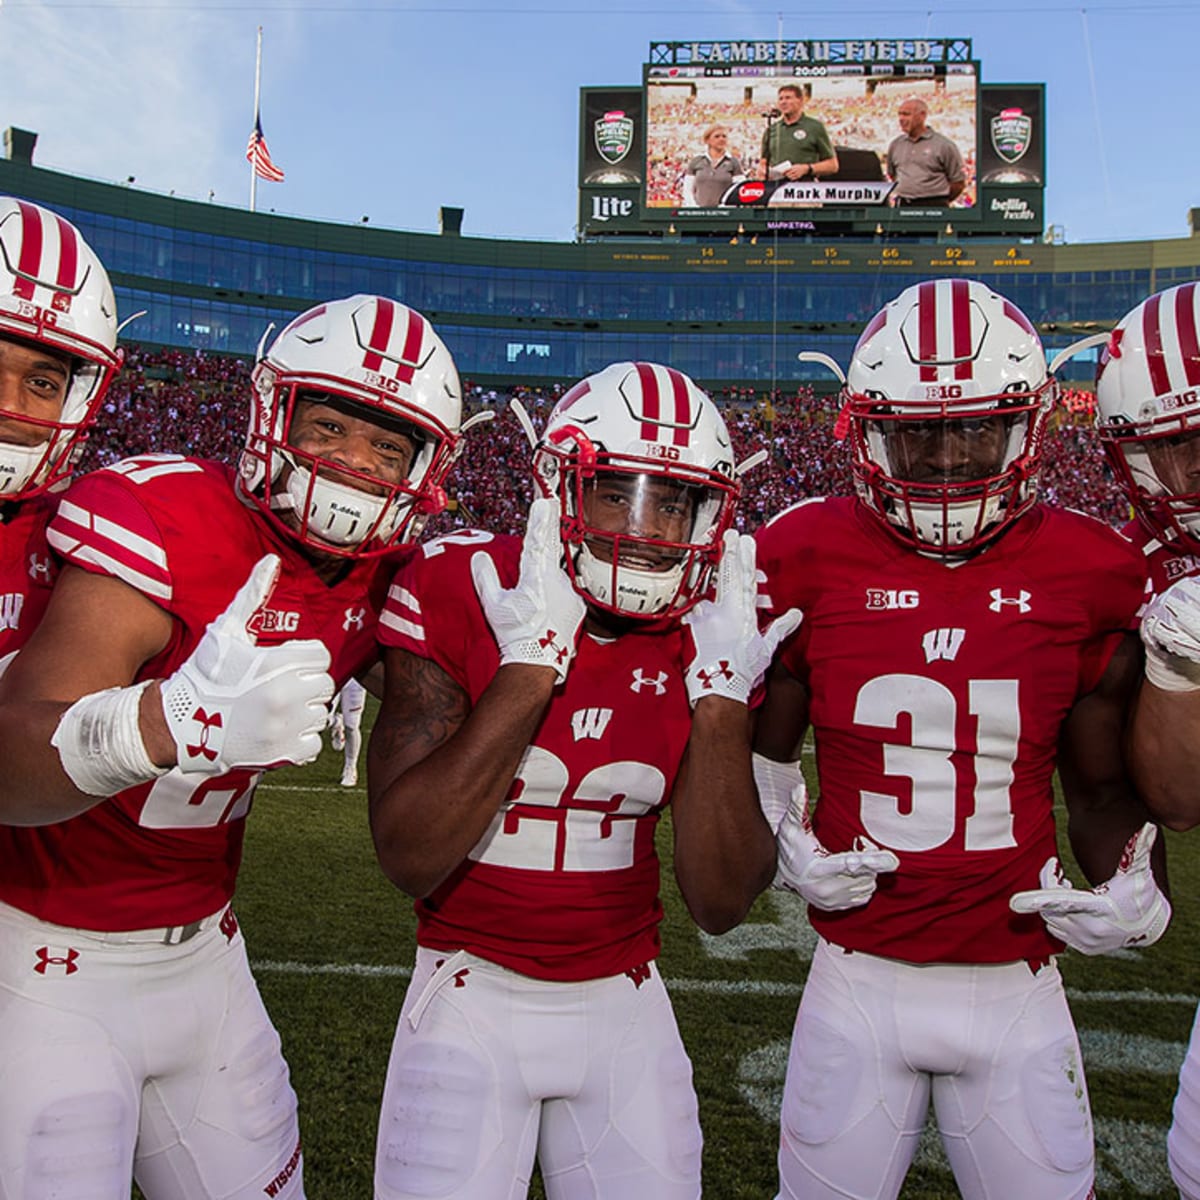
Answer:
(705, 128)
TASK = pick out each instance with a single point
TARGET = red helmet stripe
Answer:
(68, 264)
(1156, 363)
(960, 318)
(651, 401)
(381, 334)
(683, 408)
(31, 251)
(1185, 329)
(1013, 313)
(414, 336)
(927, 349)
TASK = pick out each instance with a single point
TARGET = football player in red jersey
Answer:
(133, 1041)
(58, 355)
(959, 641)
(545, 698)
(1148, 396)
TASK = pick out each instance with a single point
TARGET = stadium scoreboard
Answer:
(636, 143)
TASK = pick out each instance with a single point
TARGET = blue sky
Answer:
(389, 110)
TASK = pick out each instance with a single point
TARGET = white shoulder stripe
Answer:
(73, 548)
(404, 598)
(401, 625)
(152, 552)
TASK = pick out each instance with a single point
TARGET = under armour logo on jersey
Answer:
(11, 604)
(1020, 600)
(46, 959)
(207, 724)
(228, 925)
(942, 643)
(355, 617)
(709, 675)
(642, 680)
(639, 974)
(884, 598)
(39, 569)
(590, 722)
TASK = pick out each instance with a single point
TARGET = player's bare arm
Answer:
(95, 635)
(782, 718)
(437, 769)
(1164, 754)
(1103, 809)
(724, 848)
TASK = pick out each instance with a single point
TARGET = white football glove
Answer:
(235, 704)
(538, 620)
(732, 655)
(1171, 633)
(828, 881)
(1127, 910)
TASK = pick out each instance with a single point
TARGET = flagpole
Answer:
(257, 85)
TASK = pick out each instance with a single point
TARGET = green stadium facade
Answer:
(730, 312)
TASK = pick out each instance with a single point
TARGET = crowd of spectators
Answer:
(189, 402)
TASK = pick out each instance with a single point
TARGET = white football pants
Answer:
(1183, 1140)
(490, 1068)
(992, 1045)
(128, 1055)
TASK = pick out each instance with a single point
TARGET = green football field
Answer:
(332, 942)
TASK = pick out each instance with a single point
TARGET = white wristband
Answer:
(99, 742)
(1171, 672)
(775, 782)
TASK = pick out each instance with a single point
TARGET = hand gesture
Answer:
(538, 620)
(1127, 910)
(236, 704)
(732, 656)
(1171, 633)
(828, 881)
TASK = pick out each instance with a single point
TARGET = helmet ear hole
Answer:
(376, 363)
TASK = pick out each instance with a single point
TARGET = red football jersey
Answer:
(1165, 562)
(564, 885)
(937, 693)
(167, 852)
(27, 571)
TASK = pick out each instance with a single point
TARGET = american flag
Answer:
(258, 154)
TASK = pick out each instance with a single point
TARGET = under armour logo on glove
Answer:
(721, 671)
(550, 642)
(207, 725)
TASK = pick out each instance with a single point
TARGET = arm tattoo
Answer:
(422, 708)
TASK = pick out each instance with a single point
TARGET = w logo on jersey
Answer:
(10, 610)
(942, 643)
(590, 722)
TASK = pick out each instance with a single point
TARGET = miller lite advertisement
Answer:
(1012, 141)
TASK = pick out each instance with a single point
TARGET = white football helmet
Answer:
(1148, 395)
(53, 293)
(383, 363)
(655, 445)
(947, 399)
